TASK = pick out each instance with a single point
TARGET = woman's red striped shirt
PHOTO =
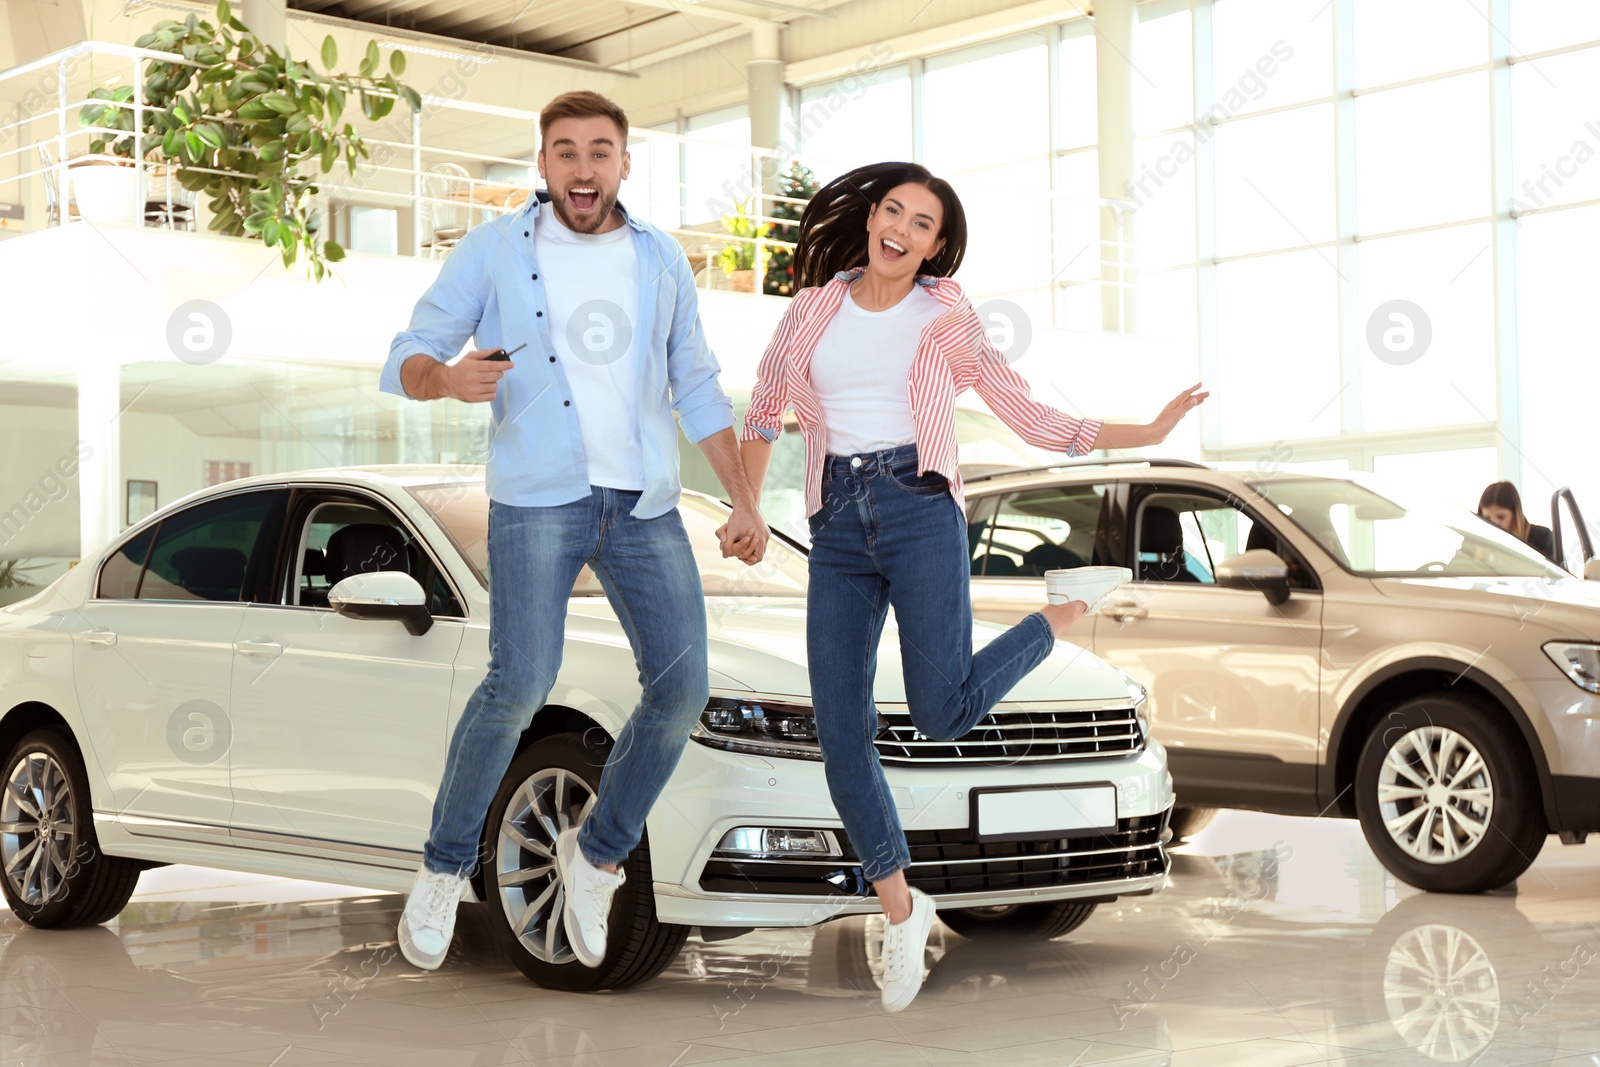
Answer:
(954, 354)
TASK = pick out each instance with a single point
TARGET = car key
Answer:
(500, 355)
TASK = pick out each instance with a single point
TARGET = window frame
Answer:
(156, 522)
(303, 506)
(1147, 490)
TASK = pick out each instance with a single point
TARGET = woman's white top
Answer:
(860, 369)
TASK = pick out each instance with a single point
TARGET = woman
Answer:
(872, 358)
(1501, 504)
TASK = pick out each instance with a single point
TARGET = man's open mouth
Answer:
(584, 197)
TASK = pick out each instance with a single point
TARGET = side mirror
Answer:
(1259, 569)
(1591, 570)
(383, 595)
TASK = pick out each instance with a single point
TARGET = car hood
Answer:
(761, 642)
(1565, 603)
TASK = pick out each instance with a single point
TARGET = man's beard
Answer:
(585, 223)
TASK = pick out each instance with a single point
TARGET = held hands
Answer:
(1174, 412)
(473, 378)
(744, 536)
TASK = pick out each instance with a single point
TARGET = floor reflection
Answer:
(1278, 941)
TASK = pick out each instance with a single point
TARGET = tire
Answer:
(46, 813)
(1186, 822)
(1019, 922)
(562, 775)
(1485, 824)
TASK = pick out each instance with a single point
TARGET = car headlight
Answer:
(1141, 701)
(759, 726)
(1578, 661)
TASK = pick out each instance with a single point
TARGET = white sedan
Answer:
(263, 676)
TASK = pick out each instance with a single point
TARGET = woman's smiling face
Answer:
(903, 230)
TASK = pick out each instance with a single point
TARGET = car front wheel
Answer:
(550, 786)
(55, 875)
(1447, 796)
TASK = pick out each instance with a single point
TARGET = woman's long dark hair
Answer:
(1505, 495)
(833, 229)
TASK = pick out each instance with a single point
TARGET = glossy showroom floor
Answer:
(1279, 941)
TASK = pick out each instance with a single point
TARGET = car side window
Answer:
(979, 519)
(340, 538)
(215, 550)
(1036, 530)
(1183, 536)
(119, 578)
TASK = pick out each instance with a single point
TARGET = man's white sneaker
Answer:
(429, 919)
(903, 945)
(588, 891)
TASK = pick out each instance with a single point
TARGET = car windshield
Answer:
(1379, 532)
(462, 508)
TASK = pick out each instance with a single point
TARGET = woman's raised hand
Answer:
(1175, 410)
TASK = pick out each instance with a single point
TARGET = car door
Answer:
(1016, 536)
(1574, 547)
(1233, 679)
(153, 658)
(339, 723)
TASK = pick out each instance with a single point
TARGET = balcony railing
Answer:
(439, 192)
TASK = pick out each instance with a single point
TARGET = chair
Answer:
(443, 223)
(1161, 536)
(363, 548)
(167, 204)
(52, 195)
(210, 573)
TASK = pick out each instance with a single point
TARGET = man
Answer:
(582, 468)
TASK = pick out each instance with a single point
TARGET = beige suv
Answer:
(1329, 645)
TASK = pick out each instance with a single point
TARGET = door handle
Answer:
(258, 648)
(1124, 609)
(99, 635)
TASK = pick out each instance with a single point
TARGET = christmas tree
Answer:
(798, 182)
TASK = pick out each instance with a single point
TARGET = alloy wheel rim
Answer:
(531, 894)
(1435, 795)
(37, 831)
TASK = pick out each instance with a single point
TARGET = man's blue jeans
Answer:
(888, 537)
(647, 570)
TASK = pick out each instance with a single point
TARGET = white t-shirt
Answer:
(860, 369)
(592, 285)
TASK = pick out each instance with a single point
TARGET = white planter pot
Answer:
(106, 193)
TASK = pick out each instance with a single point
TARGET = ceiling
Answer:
(558, 27)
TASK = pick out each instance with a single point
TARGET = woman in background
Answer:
(1501, 504)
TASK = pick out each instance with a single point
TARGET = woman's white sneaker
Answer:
(903, 946)
(588, 891)
(429, 920)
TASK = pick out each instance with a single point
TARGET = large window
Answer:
(1396, 41)
(1422, 154)
(1275, 181)
(1276, 325)
(863, 118)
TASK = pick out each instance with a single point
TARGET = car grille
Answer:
(951, 861)
(1016, 734)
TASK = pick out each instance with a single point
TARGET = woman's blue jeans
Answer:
(647, 570)
(886, 537)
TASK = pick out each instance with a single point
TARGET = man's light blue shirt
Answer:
(489, 288)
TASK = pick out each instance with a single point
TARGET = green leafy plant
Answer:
(740, 255)
(14, 575)
(258, 113)
(800, 184)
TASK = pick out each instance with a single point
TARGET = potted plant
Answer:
(105, 188)
(738, 258)
(14, 575)
(256, 115)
